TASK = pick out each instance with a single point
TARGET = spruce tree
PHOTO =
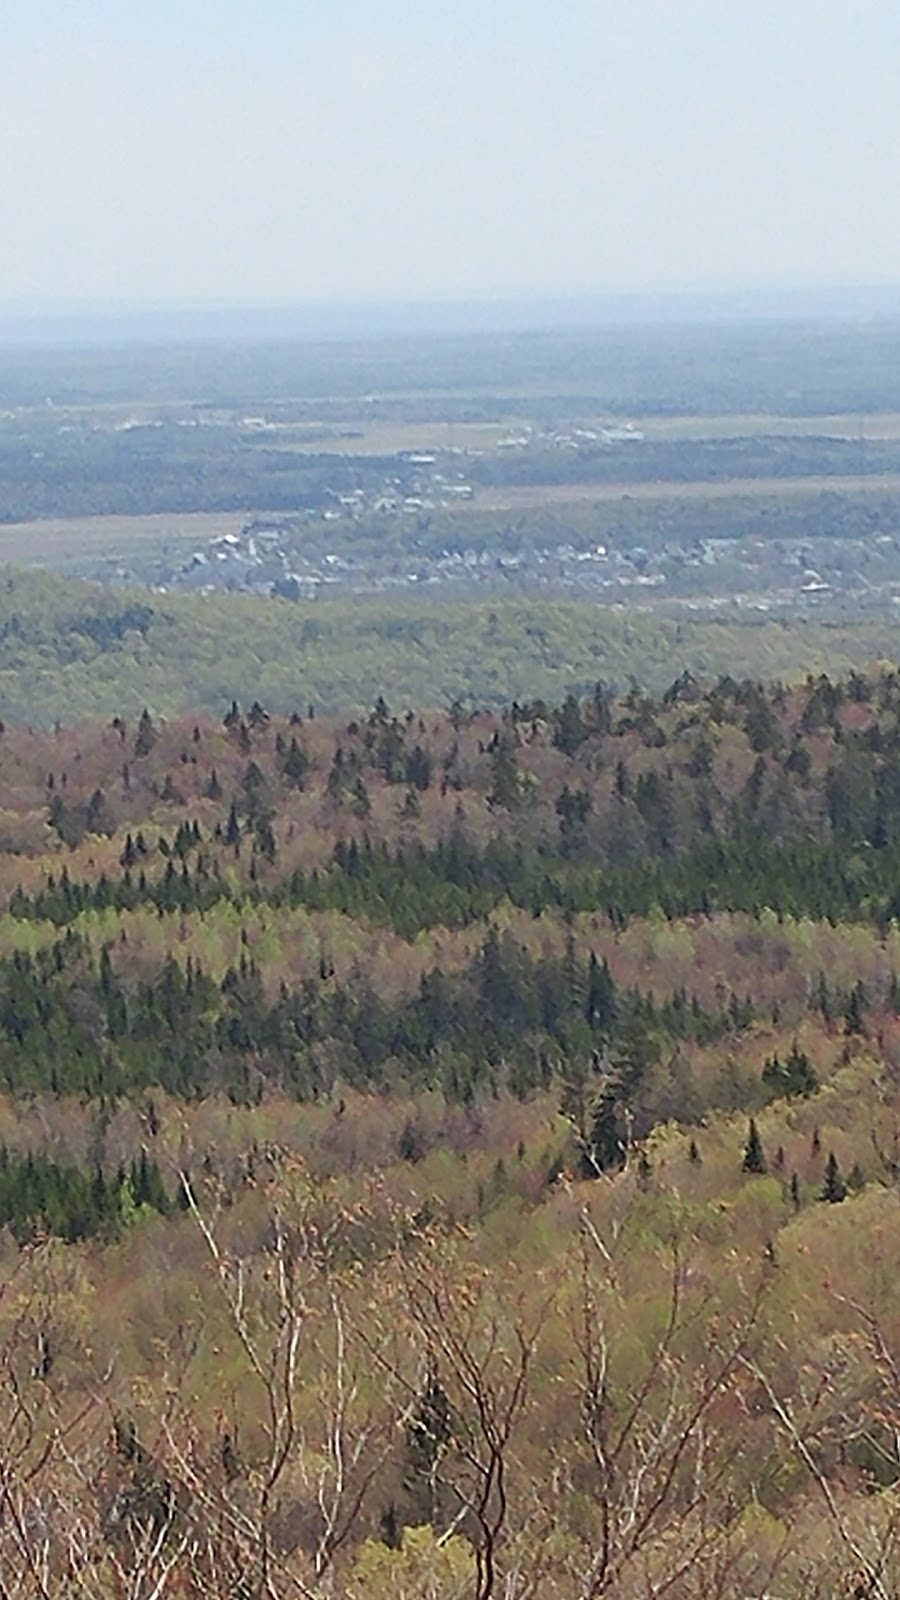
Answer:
(754, 1156)
(834, 1189)
(429, 1434)
(569, 729)
(600, 1002)
(606, 1148)
(146, 735)
(233, 828)
(853, 1013)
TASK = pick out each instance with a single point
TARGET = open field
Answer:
(845, 425)
(390, 438)
(364, 437)
(512, 496)
(360, 436)
(61, 541)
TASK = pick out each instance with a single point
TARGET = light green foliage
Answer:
(199, 653)
(424, 1568)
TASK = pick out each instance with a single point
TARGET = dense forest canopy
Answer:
(72, 650)
(404, 1113)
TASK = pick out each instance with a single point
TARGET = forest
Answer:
(74, 651)
(454, 1153)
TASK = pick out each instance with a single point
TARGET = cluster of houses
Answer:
(302, 557)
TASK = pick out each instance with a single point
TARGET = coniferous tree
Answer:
(506, 790)
(754, 1156)
(606, 1146)
(569, 730)
(823, 997)
(834, 1189)
(854, 1022)
(233, 827)
(428, 1437)
(146, 735)
(601, 1007)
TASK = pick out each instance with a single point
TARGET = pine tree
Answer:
(853, 1012)
(569, 730)
(418, 768)
(362, 805)
(834, 1189)
(754, 1156)
(428, 1436)
(295, 764)
(601, 1008)
(233, 828)
(506, 790)
(606, 1148)
(146, 735)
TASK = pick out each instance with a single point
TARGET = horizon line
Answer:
(328, 321)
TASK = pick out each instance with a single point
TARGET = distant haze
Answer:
(203, 154)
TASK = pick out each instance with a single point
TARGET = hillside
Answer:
(71, 650)
(454, 1155)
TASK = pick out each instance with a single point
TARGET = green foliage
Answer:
(39, 1195)
(198, 652)
(793, 1076)
(68, 1023)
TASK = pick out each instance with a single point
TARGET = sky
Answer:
(205, 152)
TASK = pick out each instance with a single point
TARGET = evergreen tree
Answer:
(854, 1022)
(146, 735)
(569, 730)
(834, 1189)
(233, 828)
(428, 1436)
(601, 1006)
(754, 1156)
(823, 997)
(506, 789)
(295, 764)
(418, 768)
(606, 1146)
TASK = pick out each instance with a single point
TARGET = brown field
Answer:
(507, 499)
(55, 539)
(846, 425)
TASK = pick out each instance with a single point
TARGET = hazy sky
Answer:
(294, 150)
